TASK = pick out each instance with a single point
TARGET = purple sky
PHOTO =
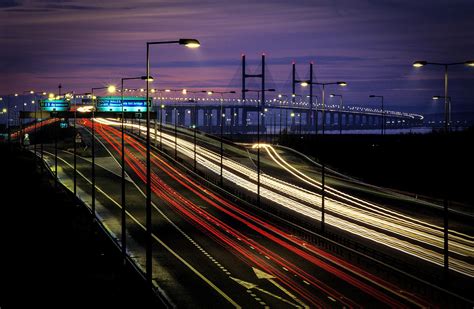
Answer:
(368, 43)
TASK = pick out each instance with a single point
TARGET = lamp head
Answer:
(149, 79)
(371, 96)
(436, 97)
(191, 43)
(210, 92)
(279, 95)
(232, 91)
(343, 84)
(167, 90)
(271, 90)
(470, 63)
(184, 91)
(111, 89)
(332, 95)
(304, 84)
(419, 64)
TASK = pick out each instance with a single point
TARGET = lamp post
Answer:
(280, 96)
(383, 112)
(332, 95)
(222, 120)
(191, 43)
(419, 64)
(437, 97)
(175, 112)
(110, 89)
(193, 120)
(258, 132)
(123, 202)
(323, 186)
(75, 143)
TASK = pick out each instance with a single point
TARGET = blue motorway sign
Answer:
(114, 104)
(53, 105)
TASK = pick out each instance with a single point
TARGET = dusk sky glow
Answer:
(370, 44)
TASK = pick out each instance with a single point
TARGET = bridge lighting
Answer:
(191, 43)
(111, 89)
(419, 64)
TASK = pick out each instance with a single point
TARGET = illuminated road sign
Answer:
(114, 104)
(53, 105)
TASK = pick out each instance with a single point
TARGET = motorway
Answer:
(210, 252)
(369, 220)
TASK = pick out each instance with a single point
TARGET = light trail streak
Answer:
(374, 222)
(209, 198)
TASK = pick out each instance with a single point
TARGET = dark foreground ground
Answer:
(52, 256)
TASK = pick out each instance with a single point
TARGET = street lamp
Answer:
(191, 43)
(383, 112)
(332, 95)
(194, 126)
(258, 132)
(437, 97)
(419, 64)
(306, 83)
(280, 96)
(222, 119)
(123, 210)
(323, 186)
(110, 89)
(74, 96)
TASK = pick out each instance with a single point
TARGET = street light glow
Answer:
(210, 92)
(191, 43)
(111, 89)
(470, 63)
(343, 84)
(51, 96)
(304, 84)
(184, 91)
(419, 64)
